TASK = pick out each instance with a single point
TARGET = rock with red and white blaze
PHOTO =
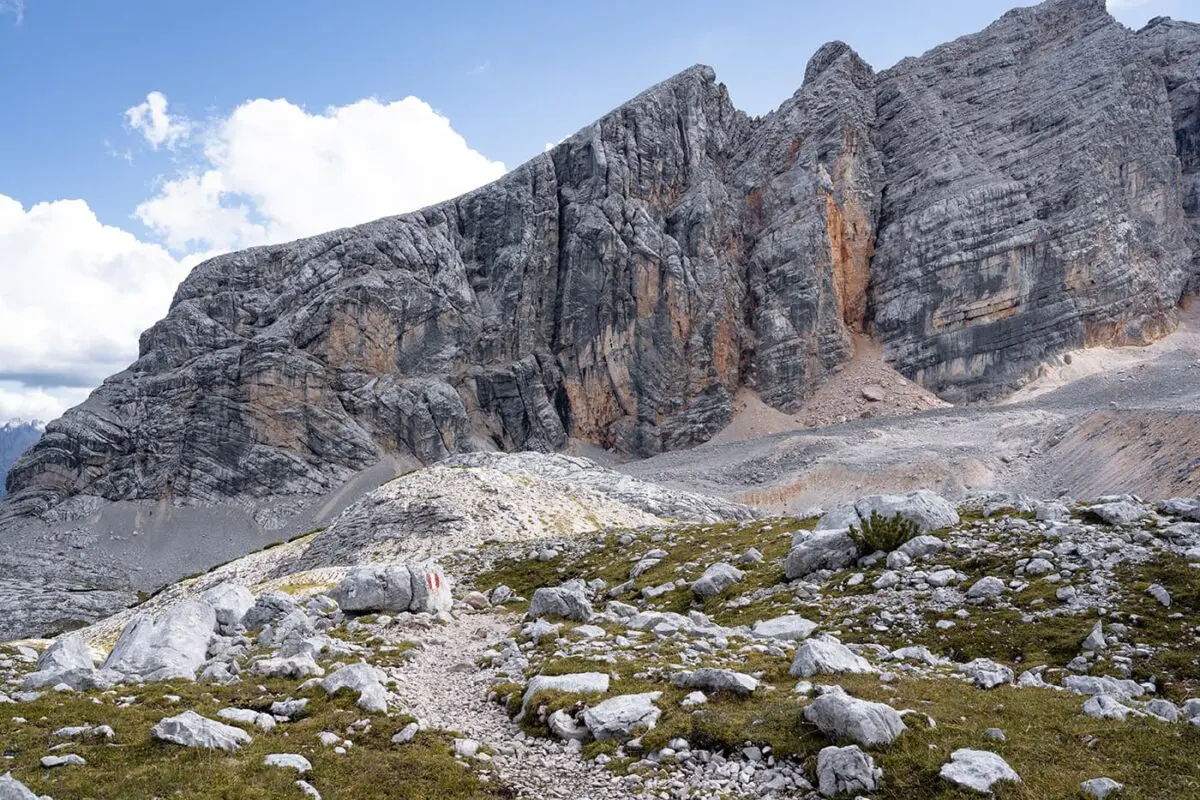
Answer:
(395, 587)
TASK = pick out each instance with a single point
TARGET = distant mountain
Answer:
(16, 436)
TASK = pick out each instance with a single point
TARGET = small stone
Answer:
(1100, 788)
(288, 761)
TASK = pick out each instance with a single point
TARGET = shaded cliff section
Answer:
(1002, 198)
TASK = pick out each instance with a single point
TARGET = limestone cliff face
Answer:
(995, 201)
(1033, 199)
(1174, 48)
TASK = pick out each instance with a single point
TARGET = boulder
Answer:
(569, 601)
(826, 657)
(173, 644)
(67, 652)
(711, 680)
(846, 770)
(987, 588)
(230, 602)
(1121, 512)
(572, 683)
(362, 678)
(978, 770)
(788, 628)
(820, 550)
(840, 716)
(83, 679)
(921, 546)
(715, 580)
(192, 730)
(267, 608)
(386, 587)
(622, 716)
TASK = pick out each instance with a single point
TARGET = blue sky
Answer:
(509, 78)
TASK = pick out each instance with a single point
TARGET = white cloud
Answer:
(76, 296)
(152, 120)
(273, 172)
(18, 402)
(77, 293)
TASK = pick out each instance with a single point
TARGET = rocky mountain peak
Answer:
(999, 200)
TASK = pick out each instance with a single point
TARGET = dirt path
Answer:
(442, 687)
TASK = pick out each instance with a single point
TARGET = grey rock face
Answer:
(925, 508)
(67, 652)
(375, 588)
(826, 657)
(790, 627)
(620, 288)
(993, 252)
(820, 550)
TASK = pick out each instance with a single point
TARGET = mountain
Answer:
(980, 209)
(17, 436)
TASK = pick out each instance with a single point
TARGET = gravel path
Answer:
(442, 687)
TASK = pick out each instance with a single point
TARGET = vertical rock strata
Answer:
(1024, 190)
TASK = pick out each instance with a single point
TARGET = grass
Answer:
(1051, 744)
(138, 766)
(690, 547)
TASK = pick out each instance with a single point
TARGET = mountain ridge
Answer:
(622, 288)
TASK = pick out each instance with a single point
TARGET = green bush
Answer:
(883, 533)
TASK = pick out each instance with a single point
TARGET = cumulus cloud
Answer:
(24, 403)
(77, 293)
(153, 121)
(271, 171)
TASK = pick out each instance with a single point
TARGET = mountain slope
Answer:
(997, 201)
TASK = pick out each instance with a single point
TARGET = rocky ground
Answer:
(1027, 648)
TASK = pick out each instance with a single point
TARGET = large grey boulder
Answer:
(569, 601)
(838, 715)
(230, 602)
(623, 716)
(846, 770)
(978, 770)
(375, 588)
(788, 628)
(826, 657)
(715, 580)
(987, 674)
(171, 644)
(821, 550)
(192, 730)
(1120, 512)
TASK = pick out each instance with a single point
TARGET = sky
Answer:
(145, 136)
